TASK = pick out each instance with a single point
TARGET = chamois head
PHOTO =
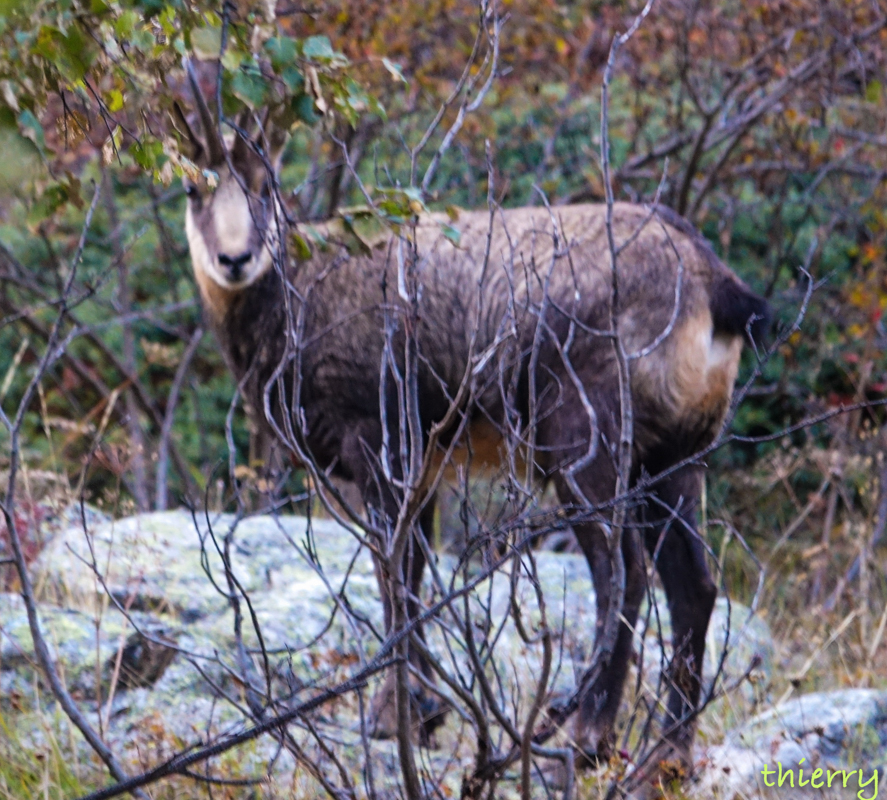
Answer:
(230, 220)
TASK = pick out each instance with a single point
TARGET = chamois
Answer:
(542, 281)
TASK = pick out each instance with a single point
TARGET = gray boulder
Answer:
(312, 590)
(842, 733)
(293, 574)
(118, 652)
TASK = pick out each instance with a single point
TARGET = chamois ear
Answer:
(272, 138)
(193, 146)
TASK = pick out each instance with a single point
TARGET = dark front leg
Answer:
(427, 711)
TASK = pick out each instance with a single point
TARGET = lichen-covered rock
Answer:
(73, 515)
(171, 562)
(83, 647)
(844, 730)
(312, 590)
(306, 580)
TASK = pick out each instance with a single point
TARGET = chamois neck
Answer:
(216, 300)
(249, 324)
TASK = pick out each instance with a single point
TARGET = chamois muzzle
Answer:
(233, 265)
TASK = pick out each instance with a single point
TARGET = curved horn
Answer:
(241, 148)
(180, 122)
(214, 146)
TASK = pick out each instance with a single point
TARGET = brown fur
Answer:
(555, 261)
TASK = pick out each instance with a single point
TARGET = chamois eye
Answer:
(191, 191)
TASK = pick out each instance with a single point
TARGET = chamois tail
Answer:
(737, 310)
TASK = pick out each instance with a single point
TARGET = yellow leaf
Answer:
(860, 297)
(115, 100)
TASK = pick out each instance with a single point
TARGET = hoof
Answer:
(592, 758)
(427, 712)
(557, 773)
(430, 711)
(592, 749)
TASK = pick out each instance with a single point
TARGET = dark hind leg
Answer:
(593, 730)
(427, 711)
(679, 556)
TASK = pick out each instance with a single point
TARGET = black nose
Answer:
(235, 264)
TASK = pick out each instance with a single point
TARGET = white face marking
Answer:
(201, 260)
(232, 219)
(233, 234)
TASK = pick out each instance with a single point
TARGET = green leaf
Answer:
(318, 47)
(356, 96)
(52, 199)
(20, 162)
(9, 8)
(233, 59)
(873, 92)
(375, 107)
(142, 39)
(206, 42)
(71, 53)
(125, 24)
(301, 250)
(293, 79)
(168, 21)
(414, 193)
(351, 237)
(31, 128)
(402, 203)
(151, 8)
(148, 153)
(318, 237)
(282, 51)
(303, 107)
(249, 86)
(452, 234)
